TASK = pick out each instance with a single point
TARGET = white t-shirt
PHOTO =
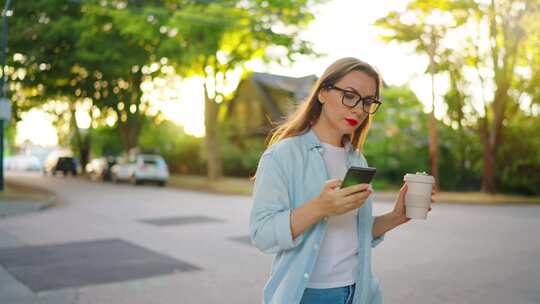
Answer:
(338, 256)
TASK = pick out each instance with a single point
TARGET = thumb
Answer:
(403, 191)
(332, 183)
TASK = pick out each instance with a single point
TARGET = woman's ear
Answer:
(322, 95)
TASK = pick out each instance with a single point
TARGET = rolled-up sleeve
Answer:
(374, 241)
(270, 219)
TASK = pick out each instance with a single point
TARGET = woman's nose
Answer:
(357, 110)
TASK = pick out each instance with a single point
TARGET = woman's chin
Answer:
(348, 129)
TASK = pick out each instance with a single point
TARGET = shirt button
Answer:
(306, 275)
(316, 246)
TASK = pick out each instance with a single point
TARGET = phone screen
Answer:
(358, 175)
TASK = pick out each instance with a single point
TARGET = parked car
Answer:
(22, 163)
(100, 168)
(141, 168)
(65, 164)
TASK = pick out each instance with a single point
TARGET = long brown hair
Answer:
(309, 111)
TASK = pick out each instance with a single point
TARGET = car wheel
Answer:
(162, 183)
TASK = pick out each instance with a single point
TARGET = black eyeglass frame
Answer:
(372, 99)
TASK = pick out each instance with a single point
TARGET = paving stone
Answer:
(181, 220)
(77, 264)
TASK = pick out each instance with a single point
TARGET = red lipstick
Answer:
(352, 122)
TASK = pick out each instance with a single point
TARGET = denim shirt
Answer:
(290, 173)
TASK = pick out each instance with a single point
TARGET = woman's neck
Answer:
(327, 135)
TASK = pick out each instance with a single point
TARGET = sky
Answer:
(342, 28)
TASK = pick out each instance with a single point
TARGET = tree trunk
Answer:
(85, 150)
(491, 133)
(462, 153)
(213, 149)
(82, 142)
(492, 137)
(130, 129)
(488, 170)
(488, 174)
(433, 151)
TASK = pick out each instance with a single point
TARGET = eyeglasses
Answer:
(350, 99)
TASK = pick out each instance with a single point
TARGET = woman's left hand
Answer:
(399, 208)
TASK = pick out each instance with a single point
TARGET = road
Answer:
(108, 243)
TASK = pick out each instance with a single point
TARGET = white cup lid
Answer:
(419, 177)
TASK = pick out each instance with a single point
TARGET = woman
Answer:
(322, 235)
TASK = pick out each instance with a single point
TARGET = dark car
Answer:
(64, 164)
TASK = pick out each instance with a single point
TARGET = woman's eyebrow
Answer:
(352, 90)
(355, 91)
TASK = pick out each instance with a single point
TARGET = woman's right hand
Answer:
(334, 201)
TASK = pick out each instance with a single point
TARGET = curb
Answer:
(49, 200)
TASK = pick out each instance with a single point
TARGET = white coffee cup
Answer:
(418, 197)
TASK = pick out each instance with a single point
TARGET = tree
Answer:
(43, 51)
(86, 51)
(504, 42)
(105, 50)
(507, 27)
(507, 34)
(424, 24)
(223, 36)
(116, 47)
(44, 54)
(396, 136)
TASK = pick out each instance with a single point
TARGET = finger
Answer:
(351, 207)
(403, 191)
(352, 189)
(354, 205)
(360, 196)
(332, 183)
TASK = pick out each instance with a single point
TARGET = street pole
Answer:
(3, 90)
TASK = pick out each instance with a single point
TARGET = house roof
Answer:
(299, 87)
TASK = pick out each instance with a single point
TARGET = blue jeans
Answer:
(338, 295)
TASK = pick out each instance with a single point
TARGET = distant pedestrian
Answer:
(322, 234)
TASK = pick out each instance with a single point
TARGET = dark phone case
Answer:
(358, 175)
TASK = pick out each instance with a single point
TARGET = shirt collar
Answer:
(311, 141)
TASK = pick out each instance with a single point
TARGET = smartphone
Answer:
(358, 175)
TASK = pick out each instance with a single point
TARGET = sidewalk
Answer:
(468, 198)
(243, 186)
(21, 207)
(18, 198)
